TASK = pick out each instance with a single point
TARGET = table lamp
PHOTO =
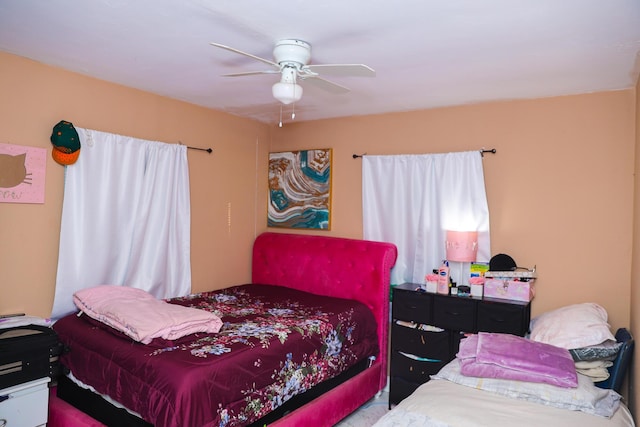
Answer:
(461, 247)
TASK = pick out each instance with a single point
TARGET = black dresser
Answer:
(427, 328)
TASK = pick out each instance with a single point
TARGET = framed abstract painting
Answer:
(300, 189)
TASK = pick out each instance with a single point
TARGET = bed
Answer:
(441, 403)
(340, 287)
(552, 377)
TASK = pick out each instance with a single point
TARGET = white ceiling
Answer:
(426, 53)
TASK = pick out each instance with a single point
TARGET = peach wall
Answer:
(35, 97)
(634, 397)
(560, 187)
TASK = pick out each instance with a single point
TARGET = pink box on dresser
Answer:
(509, 288)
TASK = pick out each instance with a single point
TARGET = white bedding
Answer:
(441, 403)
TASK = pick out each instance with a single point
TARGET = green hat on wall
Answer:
(66, 143)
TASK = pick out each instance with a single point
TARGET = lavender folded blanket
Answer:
(511, 357)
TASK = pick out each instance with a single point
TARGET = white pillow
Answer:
(573, 326)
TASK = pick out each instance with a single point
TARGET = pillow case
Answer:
(596, 370)
(572, 326)
(586, 397)
(607, 350)
(141, 316)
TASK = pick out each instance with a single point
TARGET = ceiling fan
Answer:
(291, 61)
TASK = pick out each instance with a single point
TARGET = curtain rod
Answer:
(208, 150)
(492, 151)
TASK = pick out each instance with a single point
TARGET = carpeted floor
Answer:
(368, 413)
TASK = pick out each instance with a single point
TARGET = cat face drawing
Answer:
(13, 171)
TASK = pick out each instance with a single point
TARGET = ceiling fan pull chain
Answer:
(280, 124)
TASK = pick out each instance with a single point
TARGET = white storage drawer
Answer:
(25, 405)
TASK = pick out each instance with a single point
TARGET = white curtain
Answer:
(125, 218)
(411, 200)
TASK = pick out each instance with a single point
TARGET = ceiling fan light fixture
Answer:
(287, 92)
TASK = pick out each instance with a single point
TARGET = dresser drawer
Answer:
(427, 344)
(457, 314)
(409, 368)
(503, 318)
(25, 405)
(412, 306)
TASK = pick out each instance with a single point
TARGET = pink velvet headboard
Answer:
(345, 268)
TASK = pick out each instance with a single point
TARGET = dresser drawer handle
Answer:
(453, 313)
(418, 358)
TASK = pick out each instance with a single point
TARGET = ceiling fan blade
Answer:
(357, 70)
(257, 58)
(251, 73)
(325, 84)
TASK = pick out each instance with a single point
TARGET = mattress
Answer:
(275, 344)
(441, 403)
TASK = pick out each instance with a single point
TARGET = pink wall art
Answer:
(22, 173)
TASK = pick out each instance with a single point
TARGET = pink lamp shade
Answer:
(462, 246)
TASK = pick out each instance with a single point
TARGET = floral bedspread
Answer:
(275, 343)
